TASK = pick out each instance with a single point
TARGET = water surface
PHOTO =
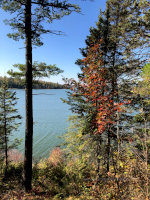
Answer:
(50, 119)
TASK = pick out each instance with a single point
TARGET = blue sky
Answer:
(60, 50)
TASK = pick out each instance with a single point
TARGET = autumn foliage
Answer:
(56, 156)
(96, 87)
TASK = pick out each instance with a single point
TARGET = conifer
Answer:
(9, 120)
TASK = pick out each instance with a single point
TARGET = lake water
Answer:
(50, 119)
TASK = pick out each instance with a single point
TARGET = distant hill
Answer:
(15, 83)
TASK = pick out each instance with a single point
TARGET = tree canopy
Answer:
(43, 12)
(40, 70)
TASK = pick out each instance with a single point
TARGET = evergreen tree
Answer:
(8, 120)
(39, 70)
(125, 50)
(120, 56)
(141, 131)
(29, 25)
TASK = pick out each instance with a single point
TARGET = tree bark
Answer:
(108, 151)
(28, 98)
(5, 134)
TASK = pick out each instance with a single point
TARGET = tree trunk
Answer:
(108, 151)
(6, 146)
(5, 135)
(28, 96)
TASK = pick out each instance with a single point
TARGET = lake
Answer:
(50, 116)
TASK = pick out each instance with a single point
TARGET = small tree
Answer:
(8, 120)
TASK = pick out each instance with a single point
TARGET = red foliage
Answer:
(97, 88)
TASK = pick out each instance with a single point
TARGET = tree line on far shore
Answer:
(14, 83)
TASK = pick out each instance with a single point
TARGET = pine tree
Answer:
(124, 49)
(8, 120)
(39, 70)
(28, 22)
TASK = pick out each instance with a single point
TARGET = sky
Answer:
(60, 50)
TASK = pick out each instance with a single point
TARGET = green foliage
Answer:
(17, 83)
(8, 120)
(141, 133)
(49, 178)
(142, 90)
(146, 71)
(42, 10)
(143, 87)
(40, 70)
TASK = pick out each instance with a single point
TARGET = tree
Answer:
(95, 88)
(107, 79)
(125, 47)
(29, 25)
(142, 120)
(39, 70)
(8, 120)
(38, 84)
(100, 91)
(124, 51)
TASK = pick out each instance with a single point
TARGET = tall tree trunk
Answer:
(114, 88)
(146, 152)
(6, 146)
(5, 135)
(98, 152)
(28, 96)
(108, 151)
(118, 137)
(6, 152)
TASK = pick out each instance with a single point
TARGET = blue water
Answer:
(50, 116)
